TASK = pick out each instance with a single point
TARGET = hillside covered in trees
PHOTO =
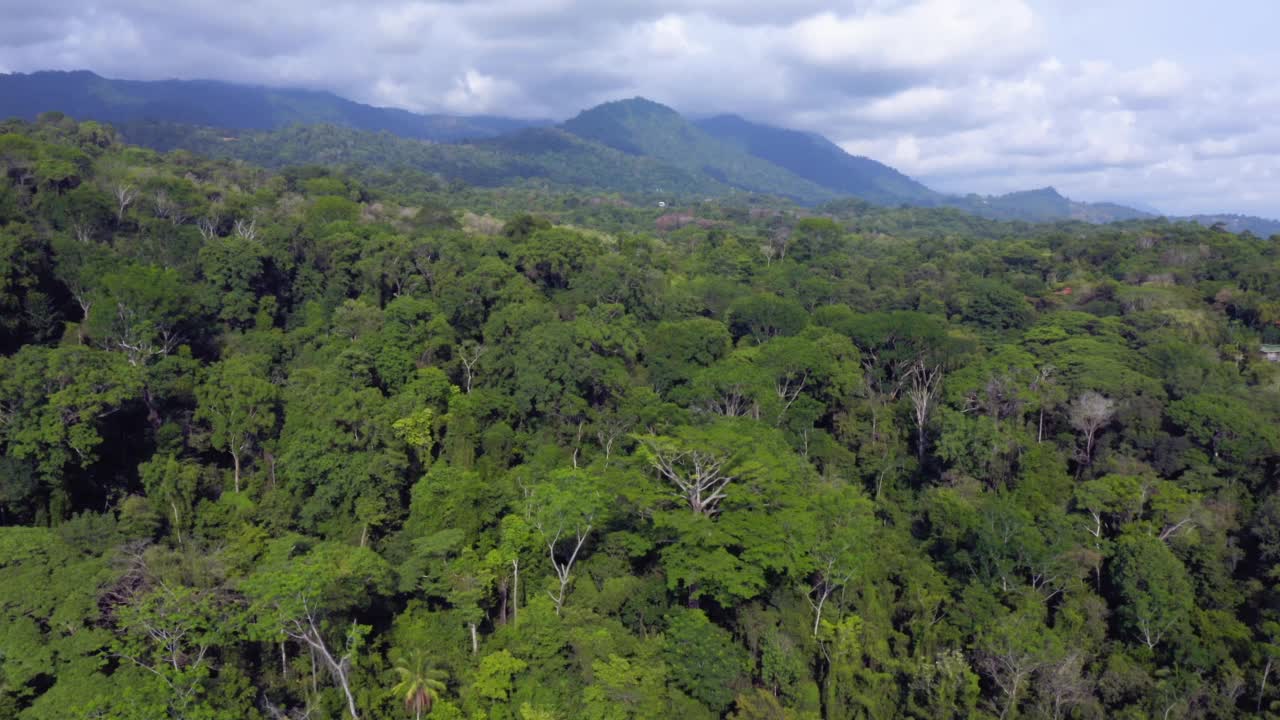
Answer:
(298, 443)
(630, 146)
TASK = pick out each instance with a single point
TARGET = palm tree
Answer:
(420, 684)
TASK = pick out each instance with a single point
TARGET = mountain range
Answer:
(629, 146)
(87, 96)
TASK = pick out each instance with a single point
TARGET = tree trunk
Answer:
(153, 415)
(177, 529)
(502, 602)
(1263, 690)
(817, 615)
(235, 459)
(515, 593)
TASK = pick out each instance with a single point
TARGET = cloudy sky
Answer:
(1173, 104)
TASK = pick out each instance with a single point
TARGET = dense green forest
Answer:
(299, 443)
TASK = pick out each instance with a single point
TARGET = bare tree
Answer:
(124, 194)
(161, 204)
(83, 231)
(306, 630)
(208, 228)
(700, 476)
(247, 230)
(734, 401)
(1062, 686)
(1010, 670)
(470, 355)
(925, 380)
(1089, 414)
(564, 568)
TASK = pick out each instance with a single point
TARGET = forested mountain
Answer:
(85, 95)
(302, 444)
(632, 146)
(647, 129)
(1045, 204)
(821, 161)
(1240, 223)
(549, 156)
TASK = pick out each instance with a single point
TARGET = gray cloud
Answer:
(964, 95)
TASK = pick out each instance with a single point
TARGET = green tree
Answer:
(1157, 599)
(420, 684)
(238, 401)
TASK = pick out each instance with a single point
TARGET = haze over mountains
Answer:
(634, 146)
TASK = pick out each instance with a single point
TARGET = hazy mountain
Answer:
(629, 146)
(1261, 227)
(1041, 205)
(817, 159)
(86, 96)
(549, 155)
(645, 128)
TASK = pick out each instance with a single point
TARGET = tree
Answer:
(841, 544)
(124, 194)
(1232, 430)
(703, 659)
(564, 511)
(1090, 413)
(420, 684)
(303, 598)
(55, 404)
(700, 463)
(238, 401)
(141, 311)
(1013, 651)
(172, 632)
(925, 380)
(766, 316)
(1157, 598)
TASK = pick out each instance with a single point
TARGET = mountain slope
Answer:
(1261, 227)
(645, 128)
(633, 146)
(821, 161)
(548, 155)
(86, 96)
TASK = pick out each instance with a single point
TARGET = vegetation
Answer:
(313, 444)
(637, 147)
(225, 105)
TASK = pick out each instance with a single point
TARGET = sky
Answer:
(1167, 104)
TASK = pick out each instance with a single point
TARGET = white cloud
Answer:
(474, 92)
(925, 36)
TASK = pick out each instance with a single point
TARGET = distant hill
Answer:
(549, 155)
(86, 96)
(1042, 205)
(821, 161)
(1261, 227)
(645, 128)
(629, 146)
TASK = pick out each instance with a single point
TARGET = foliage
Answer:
(325, 443)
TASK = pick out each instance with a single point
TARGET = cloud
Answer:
(926, 37)
(968, 96)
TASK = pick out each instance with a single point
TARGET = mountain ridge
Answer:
(85, 94)
(632, 145)
(819, 160)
